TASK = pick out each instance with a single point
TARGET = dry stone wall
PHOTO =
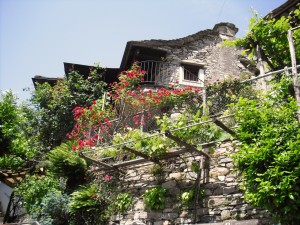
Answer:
(205, 48)
(222, 201)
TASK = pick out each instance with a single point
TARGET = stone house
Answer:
(193, 60)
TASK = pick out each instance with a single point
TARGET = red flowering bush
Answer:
(92, 124)
(134, 106)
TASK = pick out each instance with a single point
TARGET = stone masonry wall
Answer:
(219, 61)
(222, 201)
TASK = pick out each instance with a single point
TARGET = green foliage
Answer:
(154, 146)
(53, 209)
(223, 93)
(123, 202)
(269, 153)
(186, 198)
(17, 135)
(197, 134)
(156, 169)
(64, 162)
(89, 204)
(154, 198)
(271, 35)
(56, 103)
(34, 189)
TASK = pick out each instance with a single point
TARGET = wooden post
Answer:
(104, 100)
(294, 69)
(261, 67)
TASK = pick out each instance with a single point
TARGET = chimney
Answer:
(226, 30)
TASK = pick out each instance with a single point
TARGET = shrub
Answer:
(53, 209)
(268, 157)
(154, 198)
(34, 189)
(89, 205)
(64, 162)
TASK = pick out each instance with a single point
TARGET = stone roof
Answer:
(227, 29)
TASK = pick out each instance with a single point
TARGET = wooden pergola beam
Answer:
(223, 126)
(145, 156)
(106, 166)
(189, 147)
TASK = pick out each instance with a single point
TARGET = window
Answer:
(192, 74)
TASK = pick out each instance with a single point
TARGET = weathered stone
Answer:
(147, 215)
(216, 201)
(219, 171)
(138, 206)
(229, 165)
(138, 222)
(169, 184)
(202, 211)
(208, 192)
(169, 216)
(218, 191)
(221, 178)
(226, 160)
(229, 190)
(158, 223)
(229, 179)
(183, 221)
(225, 215)
(184, 214)
(176, 176)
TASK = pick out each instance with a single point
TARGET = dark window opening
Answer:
(190, 72)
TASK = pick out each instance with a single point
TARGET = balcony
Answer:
(165, 73)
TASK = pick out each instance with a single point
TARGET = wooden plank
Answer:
(189, 147)
(106, 166)
(137, 153)
(223, 126)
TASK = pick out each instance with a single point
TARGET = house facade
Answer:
(194, 60)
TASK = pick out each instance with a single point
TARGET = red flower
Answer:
(107, 177)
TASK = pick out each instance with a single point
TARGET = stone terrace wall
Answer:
(223, 200)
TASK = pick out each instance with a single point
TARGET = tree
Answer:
(56, 104)
(269, 153)
(270, 35)
(18, 144)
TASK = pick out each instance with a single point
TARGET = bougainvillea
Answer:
(132, 105)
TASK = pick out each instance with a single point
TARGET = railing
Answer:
(164, 73)
(157, 72)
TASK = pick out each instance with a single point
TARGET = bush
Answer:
(88, 205)
(66, 163)
(269, 153)
(154, 198)
(53, 209)
(34, 189)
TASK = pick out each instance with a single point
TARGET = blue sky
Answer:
(37, 36)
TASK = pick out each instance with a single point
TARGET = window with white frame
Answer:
(191, 74)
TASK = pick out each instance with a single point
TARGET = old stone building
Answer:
(193, 60)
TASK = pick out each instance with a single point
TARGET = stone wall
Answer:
(222, 201)
(205, 49)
